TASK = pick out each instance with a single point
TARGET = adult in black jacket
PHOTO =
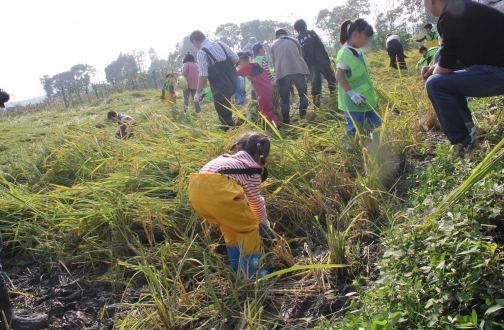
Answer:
(472, 38)
(316, 59)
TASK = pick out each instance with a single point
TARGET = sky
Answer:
(49, 37)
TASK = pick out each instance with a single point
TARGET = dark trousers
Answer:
(285, 86)
(316, 71)
(396, 53)
(222, 106)
(448, 92)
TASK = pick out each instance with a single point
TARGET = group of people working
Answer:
(226, 191)
(462, 70)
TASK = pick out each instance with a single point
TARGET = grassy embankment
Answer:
(73, 196)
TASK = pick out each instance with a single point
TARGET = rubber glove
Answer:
(263, 227)
(197, 97)
(357, 98)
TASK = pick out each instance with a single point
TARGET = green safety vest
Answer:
(431, 36)
(424, 60)
(359, 81)
(259, 60)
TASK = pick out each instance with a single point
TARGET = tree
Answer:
(330, 21)
(186, 46)
(79, 75)
(263, 31)
(117, 69)
(417, 14)
(152, 55)
(229, 34)
(47, 84)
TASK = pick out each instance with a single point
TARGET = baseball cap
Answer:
(256, 47)
(280, 32)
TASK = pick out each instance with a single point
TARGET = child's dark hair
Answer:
(188, 58)
(422, 49)
(245, 55)
(357, 25)
(427, 26)
(255, 144)
(300, 25)
(169, 75)
(111, 114)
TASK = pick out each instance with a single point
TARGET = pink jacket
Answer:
(191, 73)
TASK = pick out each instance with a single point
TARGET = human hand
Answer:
(197, 97)
(357, 98)
(263, 227)
(427, 72)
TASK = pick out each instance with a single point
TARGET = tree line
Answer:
(394, 16)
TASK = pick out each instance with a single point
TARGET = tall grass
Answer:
(78, 196)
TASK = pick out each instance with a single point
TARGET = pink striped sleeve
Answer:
(254, 198)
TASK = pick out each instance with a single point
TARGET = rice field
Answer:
(74, 201)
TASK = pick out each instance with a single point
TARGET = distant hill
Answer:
(25, 102)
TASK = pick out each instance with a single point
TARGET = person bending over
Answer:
(226, 192)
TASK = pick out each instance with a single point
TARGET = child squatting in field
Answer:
(125, 122)
(219, 192)
(356, 95)
(263, 87)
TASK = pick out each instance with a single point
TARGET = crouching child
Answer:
(126, 123)
(226, 192)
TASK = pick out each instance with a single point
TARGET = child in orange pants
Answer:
(218, 194)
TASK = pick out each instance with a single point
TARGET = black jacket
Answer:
(313, 49)
(471, 33)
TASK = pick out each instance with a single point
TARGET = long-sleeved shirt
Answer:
(287, 56)
(472, 33)
(251, 184)
(432, 36)
(264, 63)
(191, 72)
(217, 52)
(313, 49)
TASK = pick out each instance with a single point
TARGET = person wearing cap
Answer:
(259, 56)
(290, 69)
(464, 69)
(316, 59)
(250, 44)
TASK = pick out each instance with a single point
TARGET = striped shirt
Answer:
(265, 65)
(251, 184)
(217, 52)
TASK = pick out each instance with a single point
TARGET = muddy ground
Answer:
(74, 300)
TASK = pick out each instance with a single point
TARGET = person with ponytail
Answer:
(356, 95)
(226, 192)
(261, 83)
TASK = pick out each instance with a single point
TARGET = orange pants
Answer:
(221, 200)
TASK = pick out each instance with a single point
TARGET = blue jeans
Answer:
(369, 119)
(186, 100)
(240, 90)
(285, 86)
(448, 92)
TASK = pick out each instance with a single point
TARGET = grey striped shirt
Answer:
(217, 52)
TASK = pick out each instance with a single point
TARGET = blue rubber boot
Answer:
(251, 266)
(234, 257)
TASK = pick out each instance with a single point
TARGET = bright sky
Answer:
(49, 37)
